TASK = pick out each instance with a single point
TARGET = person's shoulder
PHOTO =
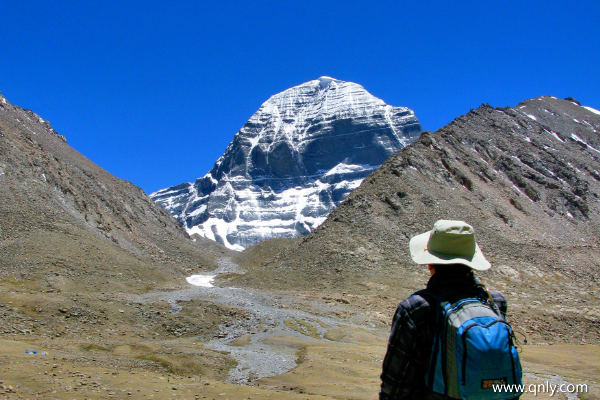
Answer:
(416, 301)
(413, 312)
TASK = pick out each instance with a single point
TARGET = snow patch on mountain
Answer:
(592, 110)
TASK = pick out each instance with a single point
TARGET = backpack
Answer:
(473, 348)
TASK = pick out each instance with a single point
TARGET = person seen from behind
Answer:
(450, 340)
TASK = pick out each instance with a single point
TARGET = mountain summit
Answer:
(296, 158)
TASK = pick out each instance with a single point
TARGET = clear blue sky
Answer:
(154, 91)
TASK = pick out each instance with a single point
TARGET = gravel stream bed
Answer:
(269, 315)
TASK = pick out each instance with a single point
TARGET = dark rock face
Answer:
(527, 178)
(295, 159)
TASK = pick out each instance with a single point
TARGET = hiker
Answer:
(419, 364)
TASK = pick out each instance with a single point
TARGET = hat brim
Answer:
(421, 255)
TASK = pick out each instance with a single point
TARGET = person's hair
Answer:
(454, 269)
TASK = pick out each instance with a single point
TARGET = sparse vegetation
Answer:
(95, 347)
(303, 327)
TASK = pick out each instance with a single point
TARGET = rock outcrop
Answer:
(295, 159)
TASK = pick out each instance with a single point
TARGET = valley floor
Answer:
(272, 345)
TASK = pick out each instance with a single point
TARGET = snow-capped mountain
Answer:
(291, 164)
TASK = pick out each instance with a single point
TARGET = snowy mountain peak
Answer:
(324, 82)
(295, 159)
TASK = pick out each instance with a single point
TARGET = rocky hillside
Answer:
(527, 178)
(66, 223)
(295, 159)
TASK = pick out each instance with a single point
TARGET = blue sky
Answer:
(154, 91)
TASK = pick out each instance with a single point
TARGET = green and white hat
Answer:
(449, 242)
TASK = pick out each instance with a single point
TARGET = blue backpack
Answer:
(473, 349)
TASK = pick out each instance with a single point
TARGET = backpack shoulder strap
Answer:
(488, 296)
(438, 306)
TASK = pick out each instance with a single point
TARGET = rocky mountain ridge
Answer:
(295, 159)
(62, 217)
(525, 177)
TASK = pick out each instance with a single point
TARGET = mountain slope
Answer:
(65, 223)
(294, 160)
(527, 178)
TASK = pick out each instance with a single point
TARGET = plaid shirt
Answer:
(409, 346)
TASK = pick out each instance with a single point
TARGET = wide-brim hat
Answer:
(449, 242)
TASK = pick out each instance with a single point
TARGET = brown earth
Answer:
(347, 366)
